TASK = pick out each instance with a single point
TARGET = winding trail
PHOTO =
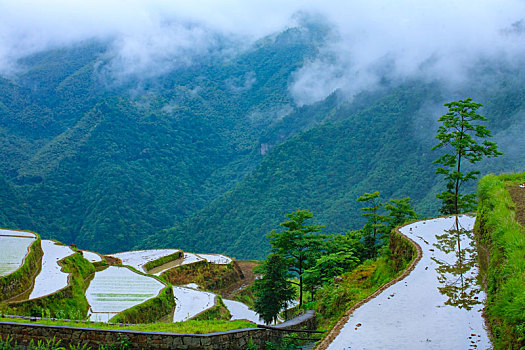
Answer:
(437, 306)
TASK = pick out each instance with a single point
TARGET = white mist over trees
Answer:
(370, 40)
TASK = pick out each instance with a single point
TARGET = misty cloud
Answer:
(371, 41)
(434, 40)
(242, 83)
(146, 32)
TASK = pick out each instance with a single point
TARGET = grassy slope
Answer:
(208, 276)
(502, 250)
(190, 326)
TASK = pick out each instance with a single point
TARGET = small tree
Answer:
(399, 212)
(273, 291)
(459, 131)
(375, 226)
(327, 267)
(299, 244)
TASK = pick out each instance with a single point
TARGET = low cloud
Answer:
(372, 41)
(242, 83)
(439, 40)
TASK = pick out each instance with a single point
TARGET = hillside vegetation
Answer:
(385, 146)
(103, 164)
(209, 156)
(501, 244)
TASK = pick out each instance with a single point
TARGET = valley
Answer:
(262, 176)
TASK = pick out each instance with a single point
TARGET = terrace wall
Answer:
(23, 333)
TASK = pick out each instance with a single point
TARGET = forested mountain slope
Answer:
(210, 154)
(325, 170)
(385, 147)
(105, 163)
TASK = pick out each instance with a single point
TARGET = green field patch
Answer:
(190, 326)
(501, 251)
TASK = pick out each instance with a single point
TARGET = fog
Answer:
(370, 40)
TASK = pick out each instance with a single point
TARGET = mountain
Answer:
(384, 146)
(105, 162)
(209, 155)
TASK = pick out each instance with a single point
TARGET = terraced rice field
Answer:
(51, 278)
(91, 256)
(4, 232)
(189, 258)
(14, 246)
(438, 306)
(216, 258)
(138, 258)
(116, 289)
(190, 302)
(241, 311)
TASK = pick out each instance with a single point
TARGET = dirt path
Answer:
(518, 197)
(245, 267)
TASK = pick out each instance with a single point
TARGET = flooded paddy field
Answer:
(191, 302)
(51, 278)
(139, 258)
(438, 306)
(14, 246)
(116, 289)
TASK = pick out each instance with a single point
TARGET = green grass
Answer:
(189, 327)
(502, 260)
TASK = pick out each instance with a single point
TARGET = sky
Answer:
(402, 39)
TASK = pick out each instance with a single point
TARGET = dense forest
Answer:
(210, 156)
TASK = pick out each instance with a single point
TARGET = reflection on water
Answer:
(458, 274)
(437, 306)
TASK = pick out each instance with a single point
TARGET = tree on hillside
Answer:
(272, 291)
(460, 133)
(298, 243)
(375, 226)
(399, 212)
(327, 267)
